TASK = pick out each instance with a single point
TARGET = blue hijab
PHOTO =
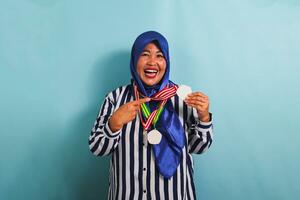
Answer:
(168, 153)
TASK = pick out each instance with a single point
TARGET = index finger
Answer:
(200, 94)
(140, 101)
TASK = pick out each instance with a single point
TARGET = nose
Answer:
(151, 60)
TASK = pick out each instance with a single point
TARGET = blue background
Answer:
(59, 58)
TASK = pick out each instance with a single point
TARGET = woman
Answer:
(150, 132)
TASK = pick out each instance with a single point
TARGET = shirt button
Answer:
(144, 169)
(144, 191)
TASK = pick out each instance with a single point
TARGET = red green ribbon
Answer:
(162, 96)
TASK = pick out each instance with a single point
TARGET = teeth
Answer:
(150, 71)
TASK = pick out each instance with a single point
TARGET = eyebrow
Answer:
(149, 51)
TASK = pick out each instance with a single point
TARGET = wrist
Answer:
(205, 118)
(114, 125)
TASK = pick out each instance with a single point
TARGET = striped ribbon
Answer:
(162, 96)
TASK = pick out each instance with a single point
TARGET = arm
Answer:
(106, 132)
(200, 134)
(103, 140)
(199, 123)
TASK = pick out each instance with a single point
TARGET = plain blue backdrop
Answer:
(58, 58)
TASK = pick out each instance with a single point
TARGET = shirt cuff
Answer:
(109, 133)
(200, 124)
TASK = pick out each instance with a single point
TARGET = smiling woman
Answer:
(149, 131)
(151, 65)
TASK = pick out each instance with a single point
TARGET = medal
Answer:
(151, 118)
(183, 91)
(154, 137)
(162, 96)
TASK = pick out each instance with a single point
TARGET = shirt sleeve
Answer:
(102, 140)
(200, 134)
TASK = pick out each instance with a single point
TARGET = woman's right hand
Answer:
(125, 114)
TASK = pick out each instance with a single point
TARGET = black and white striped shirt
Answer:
(133, 173)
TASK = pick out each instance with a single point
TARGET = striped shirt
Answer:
(133, 173)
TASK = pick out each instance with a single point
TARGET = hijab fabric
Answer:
(168, 153)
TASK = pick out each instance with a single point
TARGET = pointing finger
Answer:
(140, 101)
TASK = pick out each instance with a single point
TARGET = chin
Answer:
(150, 83)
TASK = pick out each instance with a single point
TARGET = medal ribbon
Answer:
(163, 96)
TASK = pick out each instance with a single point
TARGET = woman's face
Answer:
(151, 65)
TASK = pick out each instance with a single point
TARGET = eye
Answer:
(160, 55)
(144, 54)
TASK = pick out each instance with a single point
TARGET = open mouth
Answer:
(151, 73)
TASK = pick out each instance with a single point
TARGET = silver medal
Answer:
(183, 91)
(154, 137)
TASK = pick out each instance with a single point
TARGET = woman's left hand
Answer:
(200, 102)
